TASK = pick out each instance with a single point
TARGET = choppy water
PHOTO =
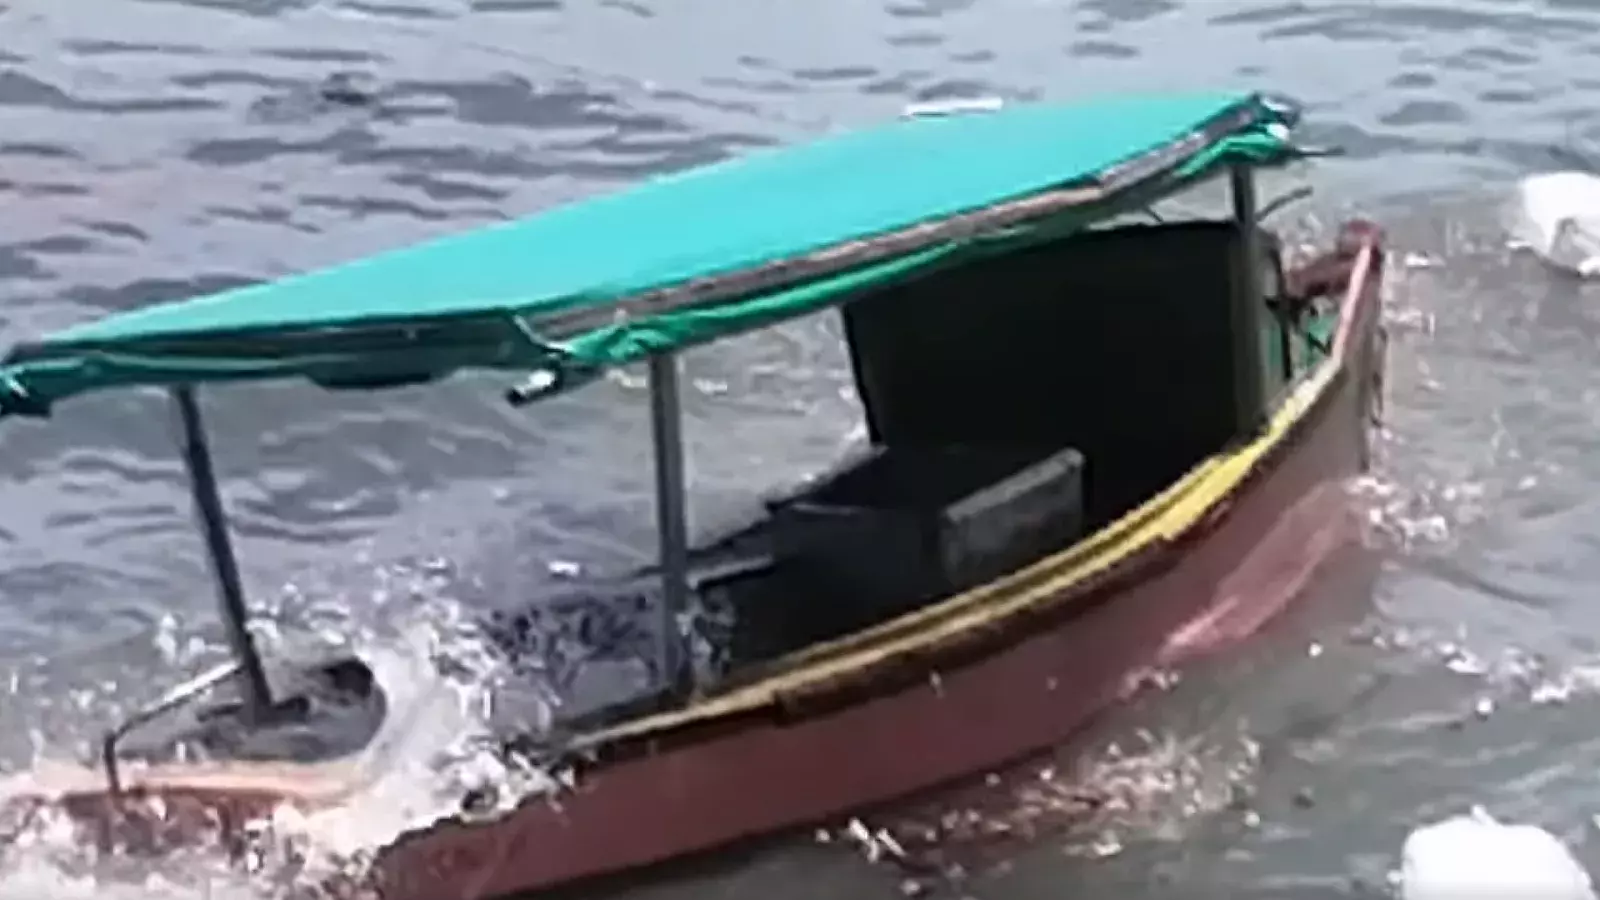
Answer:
(160, 147)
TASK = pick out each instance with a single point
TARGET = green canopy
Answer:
(675, 261)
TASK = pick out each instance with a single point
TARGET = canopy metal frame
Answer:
(1249, 306)
(672, 519)
(672, 525)
(213, 522)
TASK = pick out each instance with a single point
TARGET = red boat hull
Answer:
(1251, 557)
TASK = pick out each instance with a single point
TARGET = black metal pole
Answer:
(224, 567)
(1249, 308)
(672, 527)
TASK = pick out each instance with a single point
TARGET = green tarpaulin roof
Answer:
(675, 261)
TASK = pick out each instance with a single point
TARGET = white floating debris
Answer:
(1549, 693)
(1557, 216)
(564, 569)
(628, 381)
(1107, 844)
(859, 833)
(1463, 663)
(887, 841)
(952, 107)
(1474, 856)
(166, 638)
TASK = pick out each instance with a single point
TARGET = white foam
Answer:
(1474, 856)
(435, 745)
(39, 879)
(1557, 216)
(47, 861)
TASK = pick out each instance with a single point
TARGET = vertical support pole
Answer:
(224, 567)
(1288, 327)
(1249, 309)
(672, 527)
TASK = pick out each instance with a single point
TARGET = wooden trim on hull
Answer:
(705, 784)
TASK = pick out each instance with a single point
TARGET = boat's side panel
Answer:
(1079, 343)
(1254, 556)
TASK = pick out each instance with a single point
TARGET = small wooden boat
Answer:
(1098, 445)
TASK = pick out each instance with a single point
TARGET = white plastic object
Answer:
(952, 107)
(1557, 216)
(1473, 856)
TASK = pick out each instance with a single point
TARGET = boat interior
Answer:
(1089, 373)
(1094, 372)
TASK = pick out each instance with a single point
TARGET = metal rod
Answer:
(1287, 326)
(224, 567)
(169, 701)
(666, 427)
(1249, 308)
